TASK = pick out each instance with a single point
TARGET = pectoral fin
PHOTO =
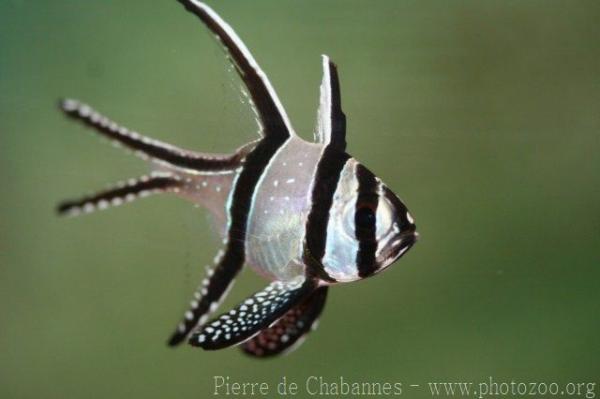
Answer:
(256, 313)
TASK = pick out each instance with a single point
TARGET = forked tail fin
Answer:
(148, 148)
(121, 193)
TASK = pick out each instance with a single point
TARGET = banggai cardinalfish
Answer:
(305, 215)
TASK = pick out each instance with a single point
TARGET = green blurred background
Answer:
(483, 116)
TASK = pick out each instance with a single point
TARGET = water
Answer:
(482, 116)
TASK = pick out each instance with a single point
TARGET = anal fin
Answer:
(290, 330)
(211, 292)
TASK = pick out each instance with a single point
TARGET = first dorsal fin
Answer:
(331, 120)
(273, 118)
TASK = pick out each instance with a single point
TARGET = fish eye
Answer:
(364, 218)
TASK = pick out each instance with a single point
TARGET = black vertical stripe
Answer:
(239, 208)
(234, 255)
(365, 221)
(255, 164)
(326, 181)
(276, 132)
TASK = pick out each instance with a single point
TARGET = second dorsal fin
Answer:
(273, 118)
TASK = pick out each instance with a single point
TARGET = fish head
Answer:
(369, 227)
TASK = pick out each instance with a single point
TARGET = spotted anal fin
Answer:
(256, 313)
(121, 193)
(146, 147)
(273, 118)
(290, 330)
(209, 295)
(331, 122)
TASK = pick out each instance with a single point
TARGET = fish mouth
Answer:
(398, 246)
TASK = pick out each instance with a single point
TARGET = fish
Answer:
(304, 215)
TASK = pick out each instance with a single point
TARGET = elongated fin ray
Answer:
(211, 292)
(253, 315)
(145, 147)
(331, 120)
(290, 330)
(123, 192)
(273, 118)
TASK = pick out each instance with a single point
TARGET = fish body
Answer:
(278, 214)
(305, 215)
